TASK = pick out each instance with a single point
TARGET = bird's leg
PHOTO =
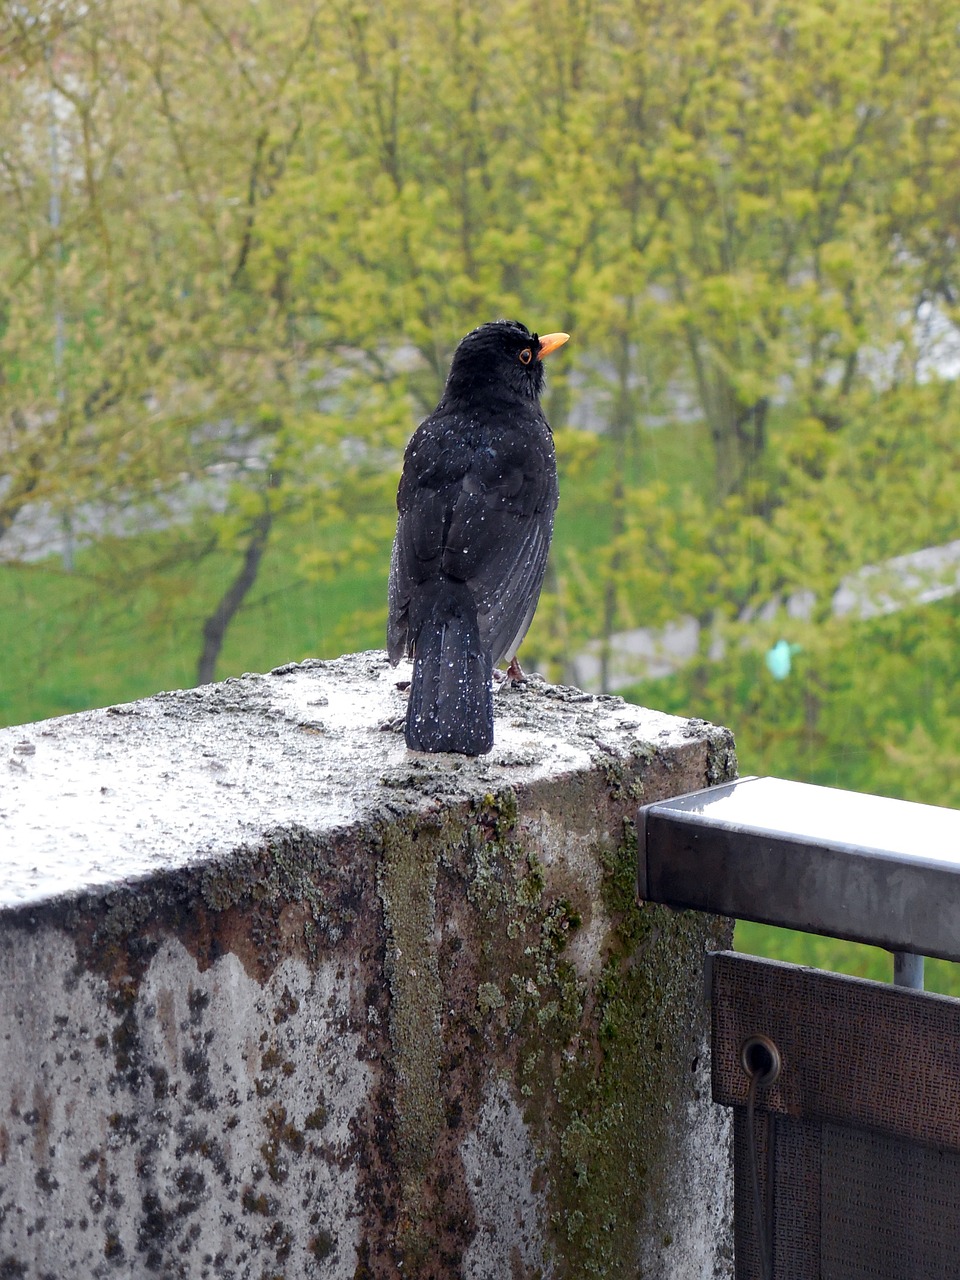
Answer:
(512, 675)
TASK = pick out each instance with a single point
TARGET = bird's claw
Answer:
(515, 671)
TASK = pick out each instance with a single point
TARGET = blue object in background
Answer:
(779, 659)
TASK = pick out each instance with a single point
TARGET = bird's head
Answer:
(503, 358)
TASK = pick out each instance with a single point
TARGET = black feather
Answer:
(451, 698)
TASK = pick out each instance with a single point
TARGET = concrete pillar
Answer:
(279, 998)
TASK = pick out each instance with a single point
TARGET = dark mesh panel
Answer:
(865, 1122)
(890, 1209)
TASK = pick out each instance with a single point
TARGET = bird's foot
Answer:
(515, 671)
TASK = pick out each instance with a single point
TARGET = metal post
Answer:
(907, 970)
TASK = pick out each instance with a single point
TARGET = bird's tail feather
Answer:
(451, 695)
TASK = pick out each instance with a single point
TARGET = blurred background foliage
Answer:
(239, 241)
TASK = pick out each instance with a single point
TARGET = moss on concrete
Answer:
(406, 881)
(616, 1109)
(596, 1066)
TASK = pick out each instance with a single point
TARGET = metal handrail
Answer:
(861, 867)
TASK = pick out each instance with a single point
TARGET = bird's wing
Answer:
(506, 610)
(434, 464)
(398, 603)
(500, 528)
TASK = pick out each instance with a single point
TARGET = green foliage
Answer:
(828, 504)
(868, 706)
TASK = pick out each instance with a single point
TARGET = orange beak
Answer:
(550, 341)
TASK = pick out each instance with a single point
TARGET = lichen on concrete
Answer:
(206, 1103)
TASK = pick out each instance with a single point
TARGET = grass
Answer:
(851, 958)
(869, 706)
(71, 643)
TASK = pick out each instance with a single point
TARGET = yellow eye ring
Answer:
(526, 355)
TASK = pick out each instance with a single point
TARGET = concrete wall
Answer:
(280, 999)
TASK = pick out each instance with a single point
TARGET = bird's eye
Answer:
(526, 355)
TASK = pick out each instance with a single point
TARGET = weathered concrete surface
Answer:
(280, 999)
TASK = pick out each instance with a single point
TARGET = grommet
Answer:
(760, 1059)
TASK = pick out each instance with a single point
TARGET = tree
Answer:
(277, 220)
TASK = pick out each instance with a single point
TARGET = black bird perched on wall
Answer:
(476, 503)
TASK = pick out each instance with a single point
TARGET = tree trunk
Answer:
(215, 627)
(738, 429)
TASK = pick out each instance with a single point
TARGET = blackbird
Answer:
(476, 502)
